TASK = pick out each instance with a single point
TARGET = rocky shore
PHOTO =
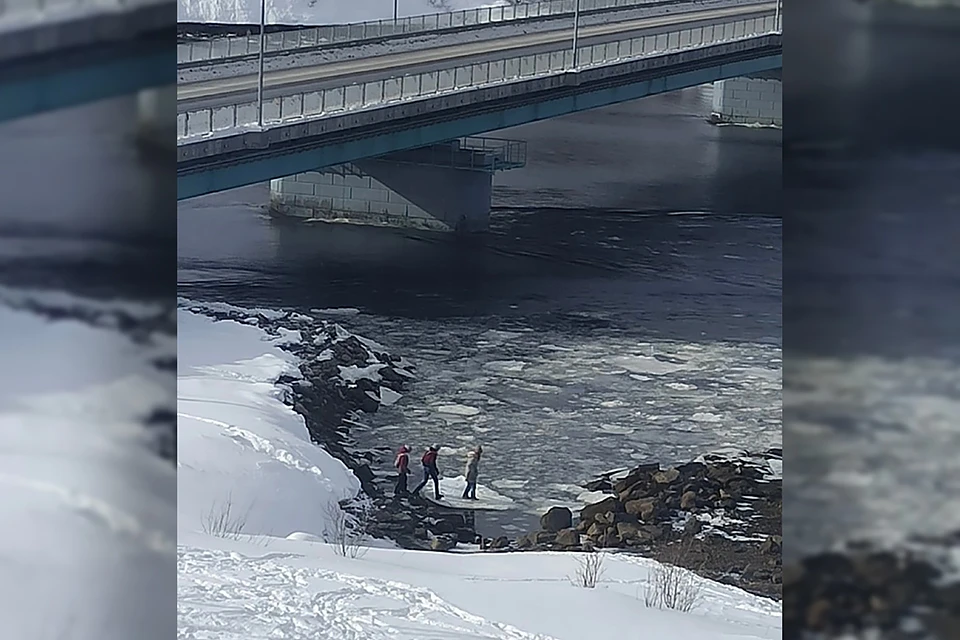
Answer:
(343, 378)
(718, 515)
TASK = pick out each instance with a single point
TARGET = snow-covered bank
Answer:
(87, 543)
(240, 446)
(296, 589)
(240, 443)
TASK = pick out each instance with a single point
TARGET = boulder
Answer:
(393, 379)
(692, 470)
(524, 543)
(556, 519)
(688, 501)
(443, 543)
(692, 527)
(877, 568)
(590, 511)
(605, 518)
(771, 545)
(568, 538)
(596, 530)
(544, 537)
(622, 516)
(603, 484)
(499, 543)
(609, 540)
(666, 476)
(350, 351)
(652, 532)
(627, 531)
(722, 473)
(635, 492)
(637, 474)
(466, 535)
(644, 509)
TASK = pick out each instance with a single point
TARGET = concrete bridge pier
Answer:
(443, 187)
(757, 100)
(157, 118)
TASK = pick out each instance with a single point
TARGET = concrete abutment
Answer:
(382, 193)
(756, 100)
(442, 187)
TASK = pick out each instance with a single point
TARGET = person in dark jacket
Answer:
(403, 470)
(430, 471)
(472, 471)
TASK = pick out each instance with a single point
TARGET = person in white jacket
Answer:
(472, 471)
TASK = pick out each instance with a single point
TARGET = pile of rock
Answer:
(556, 532)
(726, 511)
(648, 504)
(894, 595)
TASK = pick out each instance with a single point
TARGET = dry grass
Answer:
(589, 569)
(346, 530)
(671, 586)
(223, 521)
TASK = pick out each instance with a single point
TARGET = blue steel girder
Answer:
(261, 167)
(71, 77)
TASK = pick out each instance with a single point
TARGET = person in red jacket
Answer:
(403, 470)
(430, 471)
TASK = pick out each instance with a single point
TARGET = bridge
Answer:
(56, 54)
(388, 136)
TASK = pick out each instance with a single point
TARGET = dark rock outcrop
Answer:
(556, 519)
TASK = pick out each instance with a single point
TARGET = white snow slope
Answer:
(87, 543)
(316, 12)
(239, 444)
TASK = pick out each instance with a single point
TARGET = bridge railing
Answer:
(229, 119)
(315, 37)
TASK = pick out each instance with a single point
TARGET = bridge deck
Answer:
(235, 157)
(67, 52)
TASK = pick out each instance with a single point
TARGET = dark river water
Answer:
(625, 306)
(871, 289)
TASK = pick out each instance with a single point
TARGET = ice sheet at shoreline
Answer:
(452, 490)
(88, 538)
(300, 588)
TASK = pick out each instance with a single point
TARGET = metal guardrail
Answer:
(312, 37)
(473, 153)
(499, 153)
(369, 95)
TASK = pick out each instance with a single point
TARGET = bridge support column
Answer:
(748, 101)
(157, 118)
(385, 193)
